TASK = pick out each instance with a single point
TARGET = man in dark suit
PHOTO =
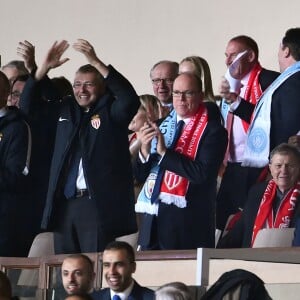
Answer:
(15, 146)
(245, 81)
(118, 266)
(273, 204)
(90, 198)
(180, 168)
(276, 117)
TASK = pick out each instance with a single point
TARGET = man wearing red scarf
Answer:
(179, 210)
(272, 204)
(242, 60)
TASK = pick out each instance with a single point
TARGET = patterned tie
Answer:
(116, 297)
(160, 174)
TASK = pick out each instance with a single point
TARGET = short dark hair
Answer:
(120, 245)
(248, 42)
(286, 149)
(84, 257)
(292, 41)
(88, 68)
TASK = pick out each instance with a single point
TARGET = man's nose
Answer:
(72, 277)
(228, 61)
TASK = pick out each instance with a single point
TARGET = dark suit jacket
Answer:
(196, 221)
(105, 156)
(14, 148)
(241, 234)
(138, 293)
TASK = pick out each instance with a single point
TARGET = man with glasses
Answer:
(90, 198)
(16, 90)
(162, 75)
(179, 162)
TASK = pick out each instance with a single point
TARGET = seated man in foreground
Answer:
(272, 204)
(118, 266)
(78, 275)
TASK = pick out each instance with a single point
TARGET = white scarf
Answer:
(257, 146)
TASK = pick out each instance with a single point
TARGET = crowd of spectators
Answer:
(82, 159)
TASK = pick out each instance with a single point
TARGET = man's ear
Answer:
(286, 51)
(133, 267)
(251, 56)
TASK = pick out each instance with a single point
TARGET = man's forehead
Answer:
(235, 47)
(114, 255)
(163, 68)
(185, 80)
(284, 156)
(87, 75)
(74, 264)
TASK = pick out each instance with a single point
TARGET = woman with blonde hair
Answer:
(199, 67)
(150, 110)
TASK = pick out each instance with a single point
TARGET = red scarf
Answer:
(265, 215)
(174, 187)
(253, 90)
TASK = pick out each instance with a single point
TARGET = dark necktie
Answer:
(160, 174)
(70, 186)
(116, 297)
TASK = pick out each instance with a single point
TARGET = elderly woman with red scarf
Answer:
(272, 204)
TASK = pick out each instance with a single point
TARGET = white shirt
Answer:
(238, 134)
(125, 294)
(80, 181)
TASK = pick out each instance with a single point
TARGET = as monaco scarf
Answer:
(174, 187)
(265, 216)
(253, 90)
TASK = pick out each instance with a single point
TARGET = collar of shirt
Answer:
(167, 104)
(186, 120)
(3, 112)
(125, 294)
(244, 82)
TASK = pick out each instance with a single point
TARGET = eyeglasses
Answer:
(86, 85)
(157, 81)
(185, 94)
(15, 95)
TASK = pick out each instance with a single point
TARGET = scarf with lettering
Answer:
(253, 90)
(174, 187)
(265, 217)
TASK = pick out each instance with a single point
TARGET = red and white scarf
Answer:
(265, 216)
(174, 187)
(253, 90)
